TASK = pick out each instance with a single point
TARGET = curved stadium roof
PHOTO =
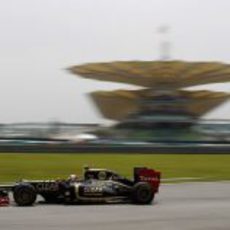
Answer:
(156, 74)
(119, 104)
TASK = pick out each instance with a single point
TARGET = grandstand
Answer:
(163, 107)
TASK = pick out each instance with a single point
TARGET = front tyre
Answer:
(142, 193)
(24, 194)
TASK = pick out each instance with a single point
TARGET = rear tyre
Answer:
(24, 194)
(142, 193)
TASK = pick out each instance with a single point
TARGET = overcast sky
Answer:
(40, 38)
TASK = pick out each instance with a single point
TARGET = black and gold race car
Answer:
(96, 186)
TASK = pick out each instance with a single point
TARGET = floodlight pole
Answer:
(165, 44)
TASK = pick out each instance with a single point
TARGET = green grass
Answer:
(38, 166)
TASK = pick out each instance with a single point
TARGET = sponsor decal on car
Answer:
(47, 186)
(147, 179)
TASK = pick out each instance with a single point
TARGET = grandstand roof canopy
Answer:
(119, 104)
(156, 74)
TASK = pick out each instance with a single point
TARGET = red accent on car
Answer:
(4, 201)
(148, 175)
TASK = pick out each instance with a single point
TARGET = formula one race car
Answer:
(97, 186)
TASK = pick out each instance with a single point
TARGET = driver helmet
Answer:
(72, 178)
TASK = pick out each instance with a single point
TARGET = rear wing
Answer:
(143, 174)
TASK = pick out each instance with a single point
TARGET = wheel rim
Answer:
(24, 197)
(144, 194)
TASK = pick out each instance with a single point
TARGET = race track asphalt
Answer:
(187, 206)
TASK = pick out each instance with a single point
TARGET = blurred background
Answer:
(42, 40)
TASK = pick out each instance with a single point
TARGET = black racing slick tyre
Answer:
(142, 193)
(24, 194)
